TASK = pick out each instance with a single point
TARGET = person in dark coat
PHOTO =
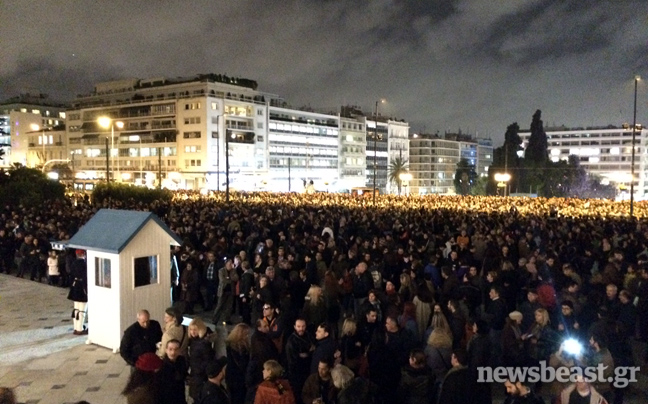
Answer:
(214, 392)
(189, 287)
(262, 349)
(79, 293)
(460, 383)
(141, 337)
(238, 358)
(479, 346)
(299, 350)
(417, 381)
(173, 375)
(200, 354)
(326, 346)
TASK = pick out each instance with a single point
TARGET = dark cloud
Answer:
(441, 64)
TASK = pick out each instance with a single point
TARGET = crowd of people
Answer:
(331, 299)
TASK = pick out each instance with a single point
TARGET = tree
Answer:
(536, 161)
(480, 186)
(28, 186)
(505, 159)
(397, 167)
(537, 149)
(465, 177)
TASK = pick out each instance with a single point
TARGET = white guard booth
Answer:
(128, 257)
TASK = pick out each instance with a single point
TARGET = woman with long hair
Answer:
(407, 290)
(350, 345)
(541, 339)
(423, 301)
(439, 354)
(273, 389)
(237, 345)
(200, 353)
(314, 311)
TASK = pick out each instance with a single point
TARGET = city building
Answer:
(194, 132)
(21, 115)
(434, 159)
(303, 146)
(182, 132)
(602, 151)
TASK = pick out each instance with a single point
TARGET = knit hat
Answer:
(148, 362)
(515, 315)
(215, 367)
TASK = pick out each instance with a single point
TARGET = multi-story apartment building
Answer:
(602, 151)
(303, 146)
(353, 152)
(21, 115)
(192, 132)
(173, 130)
(434, 158)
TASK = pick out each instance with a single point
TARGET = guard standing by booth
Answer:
(79, 292)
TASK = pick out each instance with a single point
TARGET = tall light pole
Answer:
(632, 159)
(375, 146)
(106, 123)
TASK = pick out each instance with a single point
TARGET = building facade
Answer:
(24, 114)
(173, 131)
(434, 159)
(194, 132)
(602, 151)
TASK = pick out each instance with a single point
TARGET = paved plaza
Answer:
(46, 364)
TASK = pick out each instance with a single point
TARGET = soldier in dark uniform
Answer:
(79, 292)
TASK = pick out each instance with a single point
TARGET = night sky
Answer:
(442, 65)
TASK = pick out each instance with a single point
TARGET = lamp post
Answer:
(106, 122)
(632, 159)
(502, 180)
(375, 146)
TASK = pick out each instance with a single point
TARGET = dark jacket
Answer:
(79, 281)
(237, 364)
(172, 377)
(416, 386)
(137, 341)
(213, 394)
(298, 367)
(326, 348)
(200, 353)
(315, 387)
(479, 349)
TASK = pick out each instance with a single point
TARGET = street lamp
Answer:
(502, 180)
(106, 122)
(404, 177)
(375, 139)
(634, 131)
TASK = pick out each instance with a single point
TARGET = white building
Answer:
(434, 158)
(173, 130)
(602, 151)
(23, 114)
(303, 146)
